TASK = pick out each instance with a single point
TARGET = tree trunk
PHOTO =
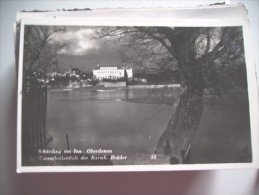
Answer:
(176, 138)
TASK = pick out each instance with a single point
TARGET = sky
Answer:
(83, 51)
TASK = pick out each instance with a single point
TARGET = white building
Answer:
(112, 73)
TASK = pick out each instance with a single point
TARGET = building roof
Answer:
(100, 67)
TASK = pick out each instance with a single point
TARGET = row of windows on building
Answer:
(111, 73)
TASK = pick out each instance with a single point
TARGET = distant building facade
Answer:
(112, 73)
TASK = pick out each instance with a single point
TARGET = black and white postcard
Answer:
(133, 95)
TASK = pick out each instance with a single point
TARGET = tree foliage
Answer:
(219, 50)
(40, 48)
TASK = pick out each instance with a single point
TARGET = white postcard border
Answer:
(252, 91)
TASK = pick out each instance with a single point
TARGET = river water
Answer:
(104, 118)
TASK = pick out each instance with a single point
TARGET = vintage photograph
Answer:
(134, 95)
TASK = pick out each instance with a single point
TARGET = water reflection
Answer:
(121, 119)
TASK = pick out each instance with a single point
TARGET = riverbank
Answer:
(76, 84)
(211, 100)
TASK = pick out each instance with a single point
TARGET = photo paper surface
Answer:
(121, 96)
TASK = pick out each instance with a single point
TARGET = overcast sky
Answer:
(82, 50)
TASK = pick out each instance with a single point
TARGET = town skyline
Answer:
(89, 61)
(83, 50)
